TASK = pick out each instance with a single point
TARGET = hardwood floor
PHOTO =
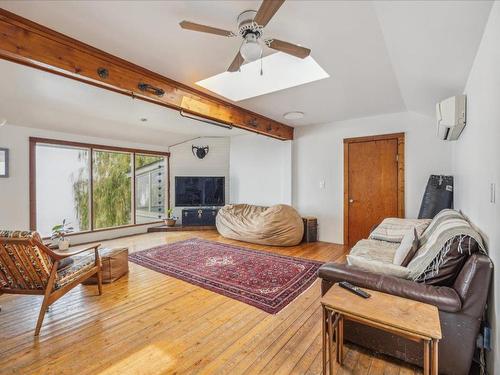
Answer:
(150, 323)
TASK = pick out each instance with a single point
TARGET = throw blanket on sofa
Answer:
(435, 241)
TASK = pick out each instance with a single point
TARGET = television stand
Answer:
(199, 216)
(181, 228)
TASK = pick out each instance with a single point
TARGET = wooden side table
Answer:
(413, 320)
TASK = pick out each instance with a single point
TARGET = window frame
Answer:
(33, 141)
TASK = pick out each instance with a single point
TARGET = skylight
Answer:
(281, 71)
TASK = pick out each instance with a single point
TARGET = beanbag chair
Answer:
(279, 225)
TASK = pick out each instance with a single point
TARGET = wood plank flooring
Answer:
(150, 323)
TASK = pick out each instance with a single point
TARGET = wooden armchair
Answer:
(27, 266)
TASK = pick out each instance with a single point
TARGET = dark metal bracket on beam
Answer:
(103, 73)
(149, 88)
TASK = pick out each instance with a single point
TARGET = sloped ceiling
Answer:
(432, 45)
(382, 56)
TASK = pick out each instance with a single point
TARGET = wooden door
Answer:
(373, 183)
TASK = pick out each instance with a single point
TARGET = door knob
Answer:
(351, 200)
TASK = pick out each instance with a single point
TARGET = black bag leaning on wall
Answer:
(438, 196)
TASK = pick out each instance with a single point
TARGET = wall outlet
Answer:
(493, 192)
(322, 184)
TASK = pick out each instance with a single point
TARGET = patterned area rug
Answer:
(264, 280)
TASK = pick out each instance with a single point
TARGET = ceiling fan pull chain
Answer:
(261, 63)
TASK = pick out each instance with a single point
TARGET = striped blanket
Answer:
(436, 239)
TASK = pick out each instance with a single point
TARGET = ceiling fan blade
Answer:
(205, 29)
(237, 62)
(291, 49)
(266, 11)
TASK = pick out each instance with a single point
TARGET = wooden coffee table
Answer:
(413, 320)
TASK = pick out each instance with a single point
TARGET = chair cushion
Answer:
(23, 265)
(407, 249)
(80, 265)
(63, 263)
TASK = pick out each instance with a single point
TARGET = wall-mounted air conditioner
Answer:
(450, 115)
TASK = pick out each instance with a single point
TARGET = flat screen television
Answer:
(199, 191)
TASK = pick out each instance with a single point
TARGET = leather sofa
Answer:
(461, 303)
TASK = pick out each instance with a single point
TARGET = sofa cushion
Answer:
(407, 249)
(376, 256)
(378, 267)
(375, 250)
(393, 229)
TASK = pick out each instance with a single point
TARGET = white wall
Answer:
(318, 155)
(476, 158)
(260, 170)
(14, 191)
(184, 163)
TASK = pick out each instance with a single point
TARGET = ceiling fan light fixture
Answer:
(251, 50)
(250, 27)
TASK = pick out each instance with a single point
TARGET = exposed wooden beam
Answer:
(28, 43)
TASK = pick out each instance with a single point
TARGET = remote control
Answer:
(354, 289)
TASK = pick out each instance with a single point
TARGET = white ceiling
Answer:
(382, 57)
(43, 100)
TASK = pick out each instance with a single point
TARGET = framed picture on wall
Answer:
(4, 162)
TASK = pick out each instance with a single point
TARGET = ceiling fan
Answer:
(251, 26)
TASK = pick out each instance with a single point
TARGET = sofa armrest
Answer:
(444, 298)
